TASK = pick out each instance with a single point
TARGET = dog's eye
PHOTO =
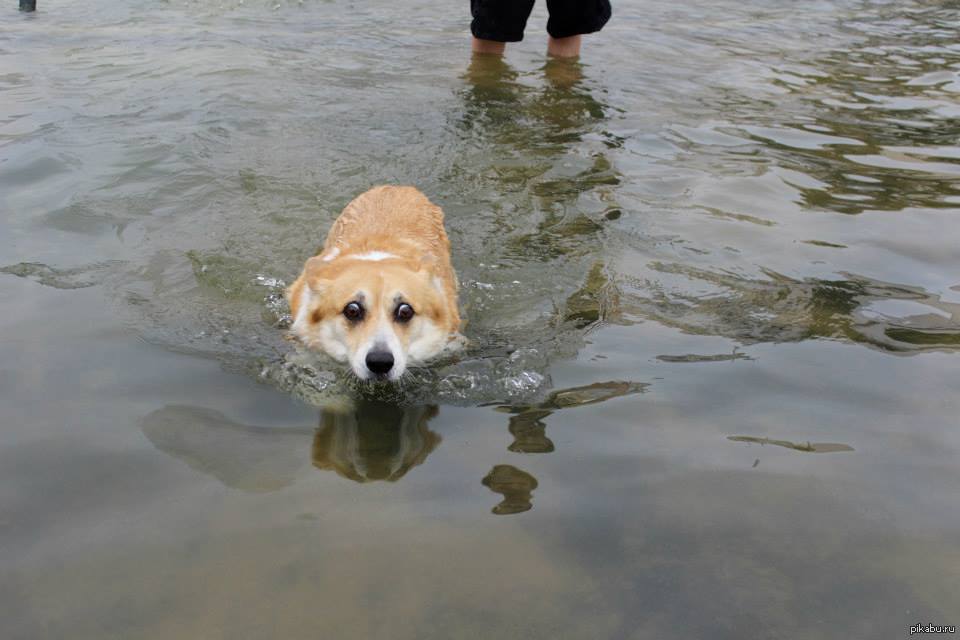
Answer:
(353, 312)
(404, 312)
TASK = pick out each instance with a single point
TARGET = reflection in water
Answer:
(896, 318)
(696, 357)
(74, 278)
(527, 427)
(529, 432)
(539, 288)
(879, 96)
(596, 302)
(807, 447)
(375, 441)
(522, 131)
(868, 126)
(491, 94)
(515, 485)
(500, 108)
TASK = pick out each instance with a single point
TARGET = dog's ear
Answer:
(310, 282)
(316, 273)
(428, 262)
(295, 296)
(431, 266)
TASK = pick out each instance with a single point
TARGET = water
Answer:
(712, 289)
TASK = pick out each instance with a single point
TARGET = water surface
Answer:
(712, 280)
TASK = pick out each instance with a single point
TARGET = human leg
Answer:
(564, 47)
(488, 46)
(496, 22)
(569, 19)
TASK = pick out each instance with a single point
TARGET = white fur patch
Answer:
(426, 343)
(300, 324)
(328, 336)
(330, 256)
(374, 256)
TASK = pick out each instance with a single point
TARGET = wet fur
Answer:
(387, 246)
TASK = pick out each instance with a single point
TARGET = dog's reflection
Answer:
(373, 441)
(377, 441)
(370, 441)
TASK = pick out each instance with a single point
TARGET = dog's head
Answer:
(379, 313)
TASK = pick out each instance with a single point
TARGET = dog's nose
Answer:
(380, 362)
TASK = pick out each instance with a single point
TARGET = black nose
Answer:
(380, 362)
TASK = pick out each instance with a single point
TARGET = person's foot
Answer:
(563, 47)
(563, 73)
(488, 46)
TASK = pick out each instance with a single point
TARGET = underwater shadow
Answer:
(375, 441)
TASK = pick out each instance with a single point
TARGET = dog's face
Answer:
(379, 316)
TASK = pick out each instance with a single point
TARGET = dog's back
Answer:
(385, 216)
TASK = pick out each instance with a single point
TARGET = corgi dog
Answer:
(382, 294)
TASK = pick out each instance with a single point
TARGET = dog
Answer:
(382, 294)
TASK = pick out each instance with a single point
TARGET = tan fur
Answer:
(401, 222)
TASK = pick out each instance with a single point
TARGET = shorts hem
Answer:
(568, 31)
(496, 37)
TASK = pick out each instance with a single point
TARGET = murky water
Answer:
(712, 281)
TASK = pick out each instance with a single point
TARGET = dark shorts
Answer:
(504, 20)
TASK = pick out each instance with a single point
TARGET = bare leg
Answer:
(563, 47)
(488, 46)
